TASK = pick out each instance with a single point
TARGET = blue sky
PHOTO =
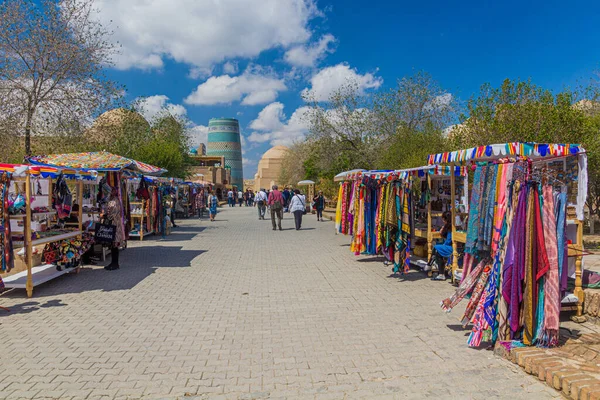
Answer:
(251, 59)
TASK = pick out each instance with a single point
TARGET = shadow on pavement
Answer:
(137, 264)
(30, 306)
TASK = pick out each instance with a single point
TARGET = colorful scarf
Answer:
(551, 286)
(476, 295)
(529, 271)
(6, 247)
(402, 249)
(463, 289)
(490, 207)
(470, 246)
(338, 210)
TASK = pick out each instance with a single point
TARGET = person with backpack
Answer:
(261, 203)
(298, 208)
(276, 203)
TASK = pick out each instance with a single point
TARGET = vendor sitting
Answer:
(441, 252)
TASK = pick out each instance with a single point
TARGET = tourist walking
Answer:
(286, 199)
(319, 201)
(261, 203)
(173, 206)
(212, 205)
(276, 203)
(298, 208)
(230, 199)
(240, 197)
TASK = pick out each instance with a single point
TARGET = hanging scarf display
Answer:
(551, 287)
(6, 247)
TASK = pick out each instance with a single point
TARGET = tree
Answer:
(522, 111)
(342, 132)
(411, 118)
(52, 56)
(168, 147)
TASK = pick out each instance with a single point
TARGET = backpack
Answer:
(277, 206)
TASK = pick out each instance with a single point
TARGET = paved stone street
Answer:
(232, 308)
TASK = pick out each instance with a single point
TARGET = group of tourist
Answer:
(238, 197)
(278, 203)
(287, 201)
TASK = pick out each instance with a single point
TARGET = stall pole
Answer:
(80, 202)
(453, 209)
(578, 260)
(142, 220)
(429, 231)
(27, 235)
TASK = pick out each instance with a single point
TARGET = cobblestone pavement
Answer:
(232, 309)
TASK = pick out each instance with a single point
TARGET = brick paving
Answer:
(231, 309)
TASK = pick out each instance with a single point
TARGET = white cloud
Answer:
(271, 126)
(330, 79)
(198, 134)
(248, 162)
(253, 87)
(151, 107)
(230, 67)
(308, 56)
(200, 72)
(203, 33)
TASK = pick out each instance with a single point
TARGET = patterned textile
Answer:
(6, 247)
(514, 264)
(561, 237)
(490, 207)
(476, 295)
(551, 286)
(468, 262)
(529, 272)
(99, 161)
(480, 320)
(501, 330)
(338, 209)
(379, 220)
(463, 289)
(470, 246)
(402, 247)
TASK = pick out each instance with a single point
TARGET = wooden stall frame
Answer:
(28, 243)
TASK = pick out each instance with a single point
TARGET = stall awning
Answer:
(404, 173)
(535, 151)
(342, 176)
(96, 160)
(48, 172)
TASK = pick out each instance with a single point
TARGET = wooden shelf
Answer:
(40, 274)
(21, 216)
(460, 236)
(56, 238)
(421, 232)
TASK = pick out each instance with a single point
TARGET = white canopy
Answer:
(342, 175)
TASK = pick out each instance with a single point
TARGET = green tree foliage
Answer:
(411, 118)
(522, 111)
(342, 133)
(168, 146)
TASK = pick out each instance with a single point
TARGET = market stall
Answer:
(118, 169)
(523, 239)
(44, 226)
(390, 212)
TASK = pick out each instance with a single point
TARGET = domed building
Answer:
(269, 168)
(115, 124)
